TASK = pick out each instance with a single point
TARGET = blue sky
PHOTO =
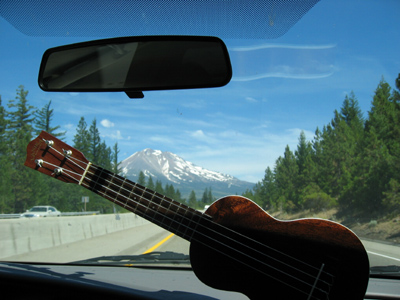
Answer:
(280, 87)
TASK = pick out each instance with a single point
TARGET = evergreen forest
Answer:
(21, 187)
(352, 163)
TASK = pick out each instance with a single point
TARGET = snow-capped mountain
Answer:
(183, 175)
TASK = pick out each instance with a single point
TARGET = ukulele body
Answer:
(300, 259)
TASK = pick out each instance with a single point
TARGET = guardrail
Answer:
(23, 235)
(10, 216)
(81, 213)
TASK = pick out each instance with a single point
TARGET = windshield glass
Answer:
(42, 209)
(308, 127)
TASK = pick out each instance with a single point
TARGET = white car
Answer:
(41, 211)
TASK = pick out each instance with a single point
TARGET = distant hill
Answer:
(183, 175)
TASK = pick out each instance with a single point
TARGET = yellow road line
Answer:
(158, 244)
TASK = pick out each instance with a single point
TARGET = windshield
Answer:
(42, 209)
(308, 127)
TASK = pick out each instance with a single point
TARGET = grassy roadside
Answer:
(384, 229)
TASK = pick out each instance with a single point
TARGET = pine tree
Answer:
(204, 199)
(305, 163)
(340, 144)
(104, 157)
(375, 164)
(19, 134)
(178, 196)
(169, 191)
(304, 149)
(210, 195)
(268, 193)
(351, 112)
(391, 199)
(192, 201)
(384, 116)
(159, 188)
(114, 160)
(81, 138)
(94, 142)
(141, 179)
(6, 195)
(286, 178)
(43, 119)
(150, 184)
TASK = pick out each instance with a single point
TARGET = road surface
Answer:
(149, 237)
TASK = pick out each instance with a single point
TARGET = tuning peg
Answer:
(39, 162)
(49, 143)
(67, 153)
(58, 171)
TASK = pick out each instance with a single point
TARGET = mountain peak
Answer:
(172, 169)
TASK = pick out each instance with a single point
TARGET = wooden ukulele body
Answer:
(312, 241)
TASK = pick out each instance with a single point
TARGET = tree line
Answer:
(169, 191)
(352, 164)
(21, 187)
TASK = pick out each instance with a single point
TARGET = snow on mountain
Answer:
(172, 169)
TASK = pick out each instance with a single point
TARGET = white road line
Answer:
(374, 253)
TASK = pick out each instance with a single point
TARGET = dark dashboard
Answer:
(46, 281)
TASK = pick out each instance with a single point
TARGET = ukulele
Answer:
(234, 244)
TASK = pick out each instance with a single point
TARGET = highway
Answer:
(149, 237)
(382, 254)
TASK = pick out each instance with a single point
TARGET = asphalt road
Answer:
(382, 254)
(149, 237)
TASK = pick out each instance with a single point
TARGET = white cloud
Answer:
(251, 99)
(107, 123)
(117, 135)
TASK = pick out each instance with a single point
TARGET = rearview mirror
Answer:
(136, 64)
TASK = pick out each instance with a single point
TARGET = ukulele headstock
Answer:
(53, 157)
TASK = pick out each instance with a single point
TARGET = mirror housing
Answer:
(136, 64)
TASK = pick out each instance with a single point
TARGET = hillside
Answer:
(383, 229)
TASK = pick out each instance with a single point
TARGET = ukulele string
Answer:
(156, 211)
(217, 241)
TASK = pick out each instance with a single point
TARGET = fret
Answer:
(119, 185)
(184, 219)
(167, 220)
(183, 223)
(196, 224)
(120, 188)
(94, 183)
(114, 194)
(130, 197)
(151, 208)
(142, 204)
(161, 212)
(124, 191)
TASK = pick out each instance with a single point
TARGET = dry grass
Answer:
(386, 229)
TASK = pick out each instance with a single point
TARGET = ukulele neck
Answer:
(154, 207)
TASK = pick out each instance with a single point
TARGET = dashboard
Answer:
(45, 281)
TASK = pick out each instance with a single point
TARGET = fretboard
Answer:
(171, 215)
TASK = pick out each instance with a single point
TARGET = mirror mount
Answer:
(136, 64)
(135, 94)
